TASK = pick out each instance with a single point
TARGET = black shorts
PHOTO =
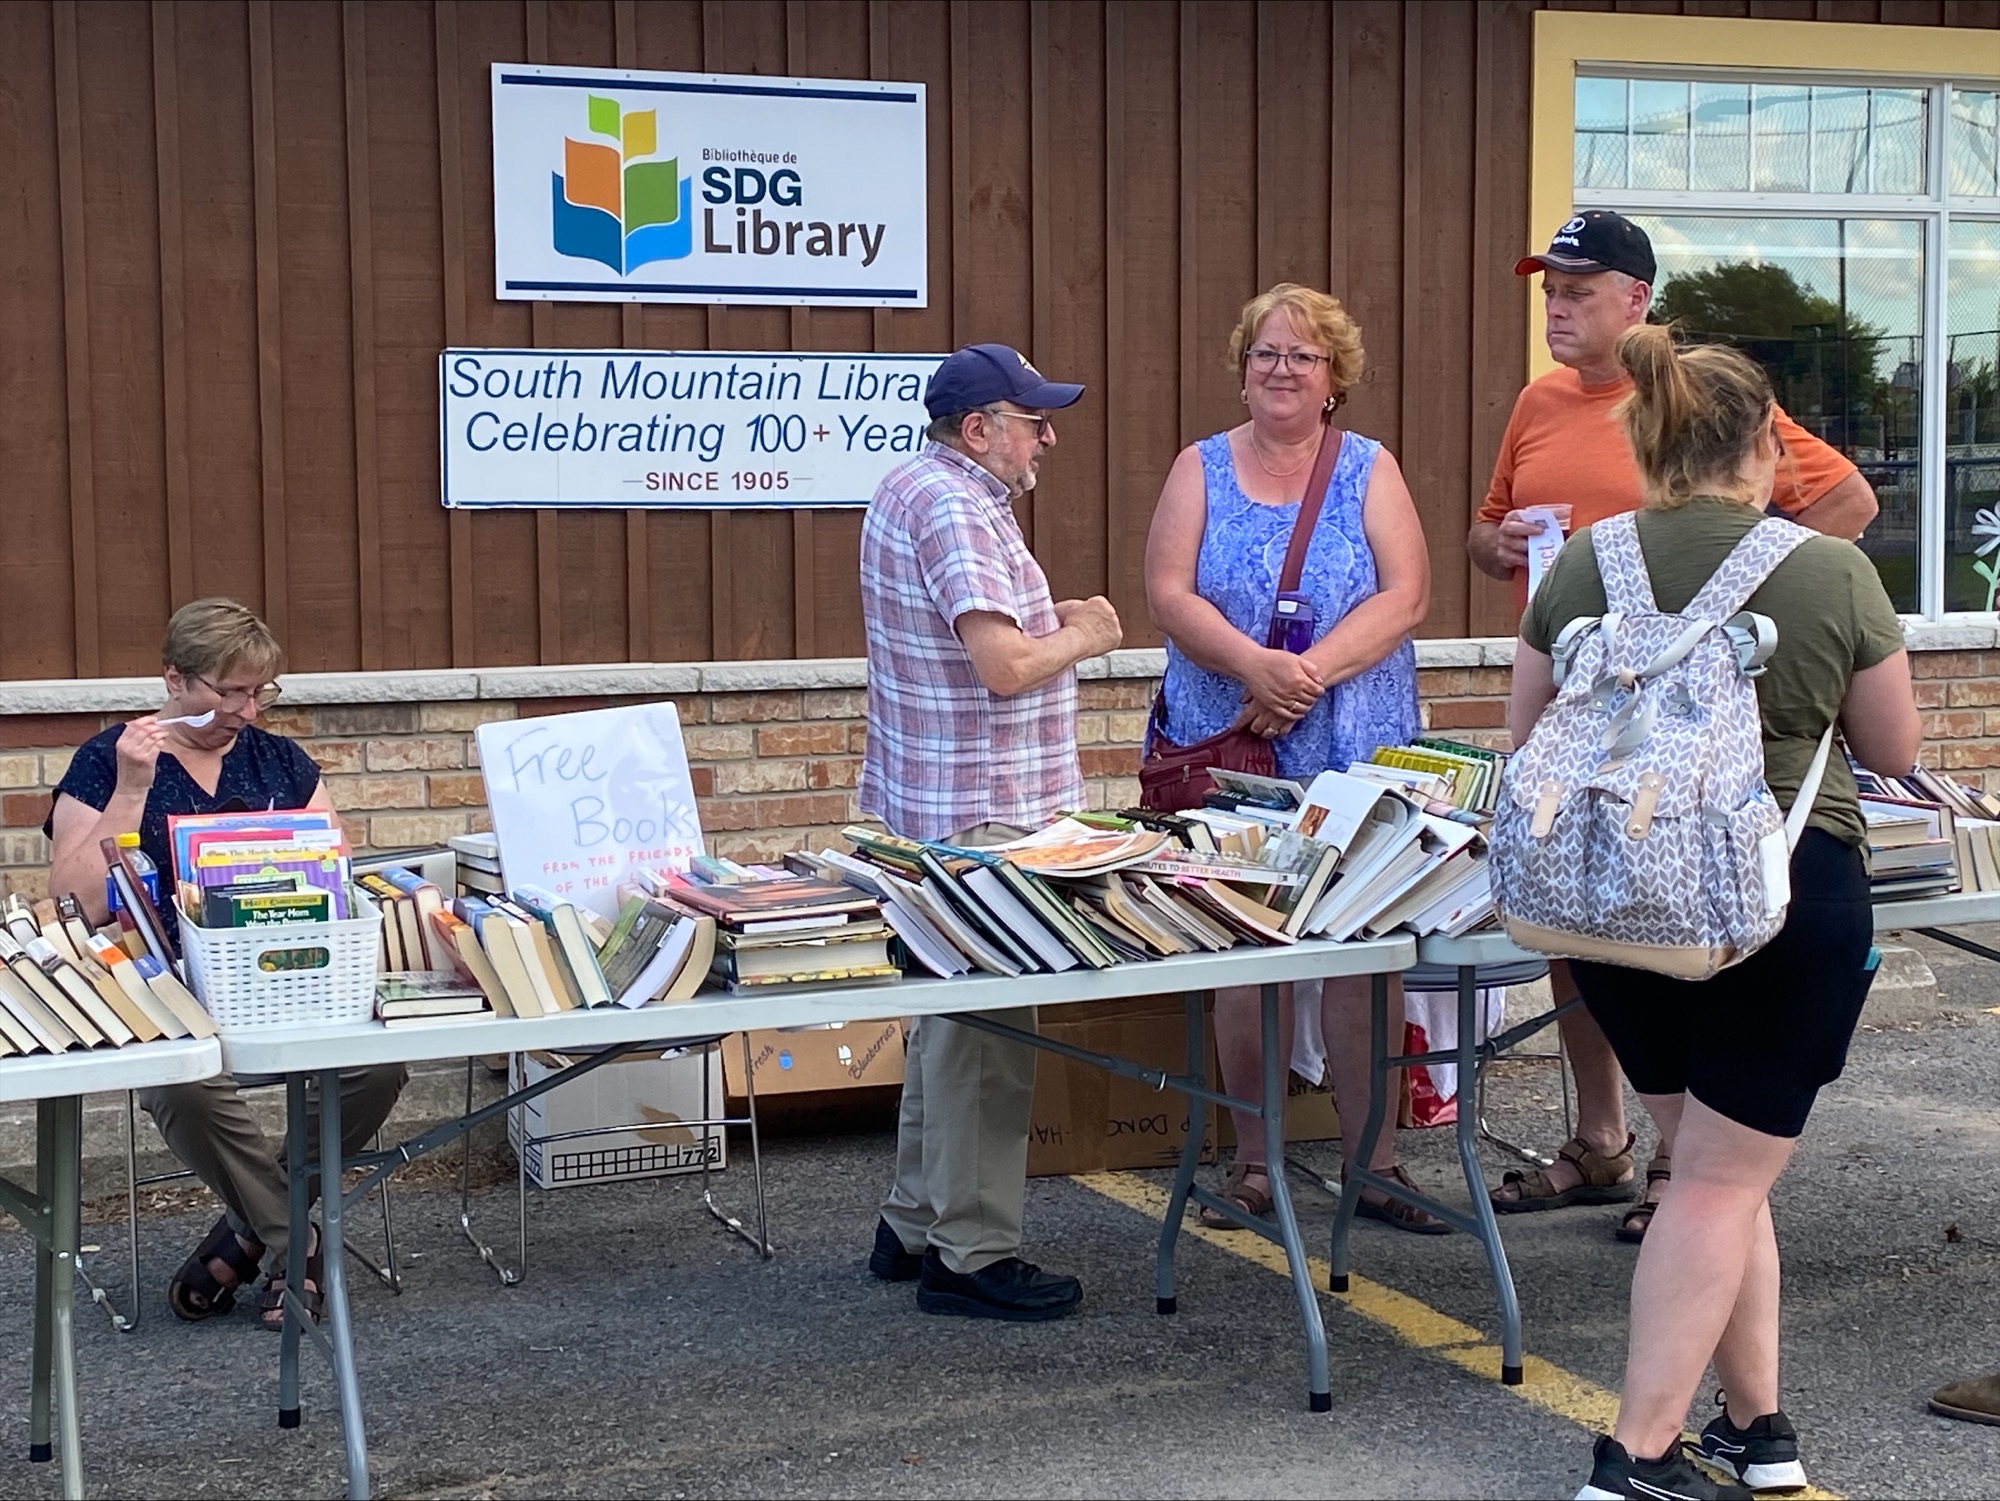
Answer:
(1757, 1042)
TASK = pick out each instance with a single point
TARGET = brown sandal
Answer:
(271, 1302)
(1639, 1218)
(1396, 1212)
(1254, 1202)
(1604, 1180)
(196, 1292)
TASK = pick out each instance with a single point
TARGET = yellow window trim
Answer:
(1563, 39)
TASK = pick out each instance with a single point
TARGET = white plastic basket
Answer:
(317, 972)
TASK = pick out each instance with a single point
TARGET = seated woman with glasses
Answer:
(1213, 563)
(219, 659)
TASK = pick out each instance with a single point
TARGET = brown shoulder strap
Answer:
(1309, 508)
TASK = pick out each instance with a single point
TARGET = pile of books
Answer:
(783, 930)
(1267, 862)
(533, 953)
(1928, 835)
(63, 986)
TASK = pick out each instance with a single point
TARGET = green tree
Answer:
(1825, 368)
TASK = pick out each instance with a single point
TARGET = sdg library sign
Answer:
(622, 428)
(619, 186)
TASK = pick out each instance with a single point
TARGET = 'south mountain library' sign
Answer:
(618, 428)
(619, 186)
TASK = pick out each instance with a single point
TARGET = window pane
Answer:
(1840, 140)
(1659, 134)
(1972, 418)
(1600, 132)
(1897, 150)
(1779, 122)
(1974, 148)
(1721, 156)
(1833, 311)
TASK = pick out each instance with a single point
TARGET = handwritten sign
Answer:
(580, 801)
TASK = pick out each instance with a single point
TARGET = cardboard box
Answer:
(1085, 1120)
(644, 1094)
(816, 1060)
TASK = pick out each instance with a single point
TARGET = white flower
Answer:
(1986, 531)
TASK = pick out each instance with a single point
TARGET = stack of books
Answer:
(413, 996)
(1913, 848)
(64, 987)
(1974, 819)
(478, 859)
(779, 930)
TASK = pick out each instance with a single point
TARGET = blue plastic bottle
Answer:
(149, 874)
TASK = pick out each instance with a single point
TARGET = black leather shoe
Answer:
(889, 1260)
(1011, 1289)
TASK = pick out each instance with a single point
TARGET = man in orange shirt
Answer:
(1563, 448)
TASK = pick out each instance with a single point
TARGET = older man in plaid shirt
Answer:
(971, 739)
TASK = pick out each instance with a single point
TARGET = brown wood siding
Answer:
(236, 233)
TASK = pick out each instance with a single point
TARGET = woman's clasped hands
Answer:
(1279, 689)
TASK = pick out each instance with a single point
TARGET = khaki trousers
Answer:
(962, 1136)
(209, 1127)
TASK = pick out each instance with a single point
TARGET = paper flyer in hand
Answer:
(1543, 546)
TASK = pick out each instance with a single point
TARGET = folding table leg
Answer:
(39, 1449)
(299, 1238)
(339, 1325)
(1170, 1231)
(509, 1276)
(66, 1236)
(1277, 1065)
(1475, 1182)
(1378, 1074)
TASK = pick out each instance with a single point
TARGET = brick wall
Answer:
(776, 770)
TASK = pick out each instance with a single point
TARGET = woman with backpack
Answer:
(1734, 1060)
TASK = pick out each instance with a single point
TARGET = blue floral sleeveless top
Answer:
(1242, 552)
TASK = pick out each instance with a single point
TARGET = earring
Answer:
(1335, 402)
(1244, 396)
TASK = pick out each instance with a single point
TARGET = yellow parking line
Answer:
(1549, 1387)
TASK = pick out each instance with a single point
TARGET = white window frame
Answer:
(1934, 60)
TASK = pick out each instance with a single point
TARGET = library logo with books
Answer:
(610, 208)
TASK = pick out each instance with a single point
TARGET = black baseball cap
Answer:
(981, 374)
(1596, 240)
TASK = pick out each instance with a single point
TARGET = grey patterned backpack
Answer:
(1635, 827)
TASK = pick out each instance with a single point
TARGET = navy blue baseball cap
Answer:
(1596, 240)
(981, 374)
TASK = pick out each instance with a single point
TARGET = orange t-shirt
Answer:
(1562, 447)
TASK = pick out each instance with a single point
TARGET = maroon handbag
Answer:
(1173, 777)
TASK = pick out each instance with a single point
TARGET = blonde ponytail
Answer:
(1692, 415)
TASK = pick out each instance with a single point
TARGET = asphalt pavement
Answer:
(649, 1354)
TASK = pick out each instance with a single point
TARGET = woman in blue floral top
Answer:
(1213, 557)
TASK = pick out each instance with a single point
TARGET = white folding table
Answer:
(1929, 915)
(300, 1052)
(52, 1210)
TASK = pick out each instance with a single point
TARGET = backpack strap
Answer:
(1802, 805)
(1628, 589)
(1751, 561)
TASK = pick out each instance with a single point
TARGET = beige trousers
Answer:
(209, 1127)
(962, 1137)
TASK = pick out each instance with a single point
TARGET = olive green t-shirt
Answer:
(1833, 619)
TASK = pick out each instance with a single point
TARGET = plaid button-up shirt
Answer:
(944, 753)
